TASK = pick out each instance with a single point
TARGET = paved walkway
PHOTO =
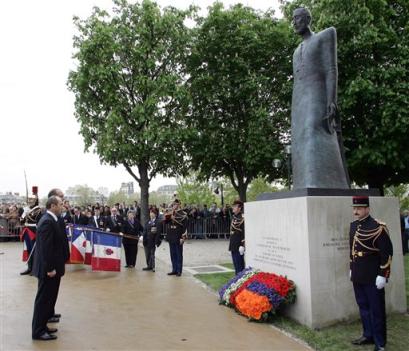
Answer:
(130, 310)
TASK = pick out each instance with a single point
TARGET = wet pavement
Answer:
(132, 309)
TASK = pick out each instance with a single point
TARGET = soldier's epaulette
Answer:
(383, 225)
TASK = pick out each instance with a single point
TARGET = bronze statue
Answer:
(317, 152)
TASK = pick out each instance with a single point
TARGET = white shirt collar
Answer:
(52, 215)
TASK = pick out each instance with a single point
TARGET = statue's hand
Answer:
(330, 119)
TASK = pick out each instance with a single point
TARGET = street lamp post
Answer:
(216, 191)
(277, 163)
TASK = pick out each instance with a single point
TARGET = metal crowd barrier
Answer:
(205, 228)
(9, 231)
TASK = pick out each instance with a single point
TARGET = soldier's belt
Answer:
(364, 253)
(30, 225)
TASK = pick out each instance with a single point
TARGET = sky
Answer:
(39, 134)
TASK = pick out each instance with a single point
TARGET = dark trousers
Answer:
(31, 255)
(150, 256)
(44, 304)
(371, 303)
(405, 238)
(238, 261)
(176, 256)
(131, 250)
(52, 313)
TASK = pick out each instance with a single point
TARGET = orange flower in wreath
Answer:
(252, 305)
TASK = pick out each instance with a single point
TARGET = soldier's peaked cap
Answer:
(360, 201)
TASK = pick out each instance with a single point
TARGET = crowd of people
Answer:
(202, 221)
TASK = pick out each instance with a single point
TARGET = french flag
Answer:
(88, 247)
(106, 252)
(27, 236)
(78, 246)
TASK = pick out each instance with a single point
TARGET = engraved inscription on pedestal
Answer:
(273, 251)
(341, 244)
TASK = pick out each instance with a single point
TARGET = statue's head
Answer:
(301, 20)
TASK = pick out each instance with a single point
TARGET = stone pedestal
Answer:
(306, 238)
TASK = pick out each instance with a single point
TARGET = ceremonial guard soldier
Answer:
(30, 218)
(236, 245)
(370, 263)
(176, 234)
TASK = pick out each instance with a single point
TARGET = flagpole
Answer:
(25, 177)
(105, 232)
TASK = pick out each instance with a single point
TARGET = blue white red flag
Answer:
(78, 245)
(27, 236)
(106, 252)
(88, 247)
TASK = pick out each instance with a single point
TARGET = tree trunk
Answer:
(144, 186)
(242, 189)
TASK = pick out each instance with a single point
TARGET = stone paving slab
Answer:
(207, 269)
(129, 310)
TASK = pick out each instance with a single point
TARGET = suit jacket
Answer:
(50, 252)
(97, 222)
(152, 234)
(116, 226)
(82, 220)
(67, 218)
(134, 229)
(62, 224)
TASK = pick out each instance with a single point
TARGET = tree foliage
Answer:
(373, 62)
(129, 88)
(257, 187)
(400, 191)
(240, 93)
(192, 191)
(84, 195)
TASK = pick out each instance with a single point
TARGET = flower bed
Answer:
(257, 295)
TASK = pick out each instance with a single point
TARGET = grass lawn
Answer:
(339, 336)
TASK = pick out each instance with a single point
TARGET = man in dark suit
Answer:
(55, 317)
(97, 221)
(370, 265)
(66, 215)
(114, 222)
(79, 218)
(48, 267)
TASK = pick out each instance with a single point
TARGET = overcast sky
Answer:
(39, 133)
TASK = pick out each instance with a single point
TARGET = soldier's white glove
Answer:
(350, 274)
(380, 282)
(241, 250)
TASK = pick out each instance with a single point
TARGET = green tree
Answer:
(400, 191)
(157, 199)
(85, 195)
(130, 94)
(194, 192)
(259, 186)
(373, 62)
(117, 197)
(239, 84)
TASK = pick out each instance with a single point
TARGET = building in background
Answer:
(167, 190)
(127, 188)
(11, 198)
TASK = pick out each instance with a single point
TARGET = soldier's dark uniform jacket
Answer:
(371, 250)
(176, 227)
(236, 232)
